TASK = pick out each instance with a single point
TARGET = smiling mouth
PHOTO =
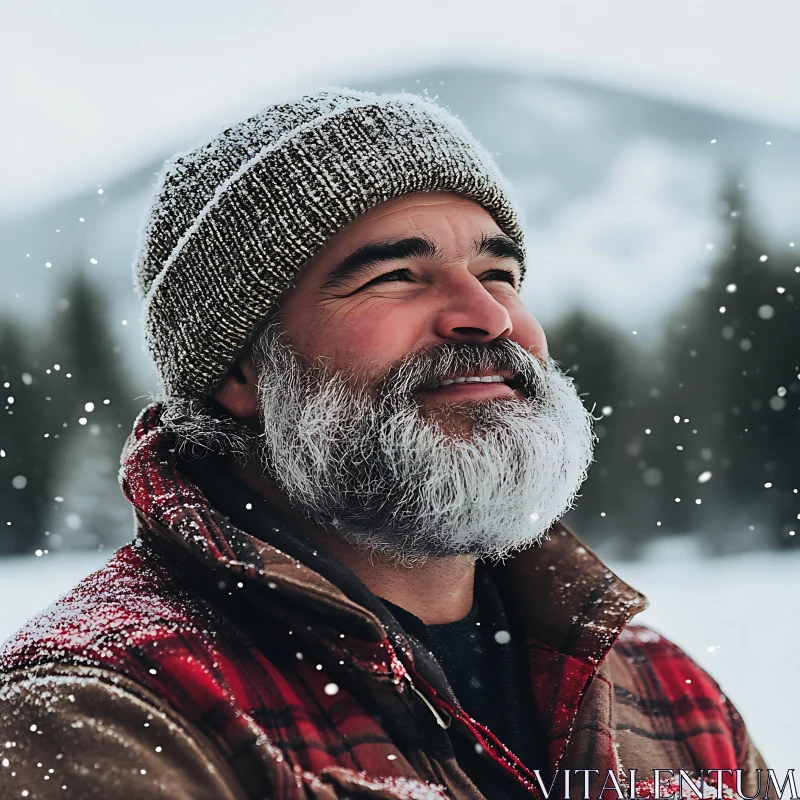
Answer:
(488, 385)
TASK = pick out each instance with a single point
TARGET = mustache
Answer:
(438, 362)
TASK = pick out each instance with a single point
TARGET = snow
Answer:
(734, 615)
(28, 584)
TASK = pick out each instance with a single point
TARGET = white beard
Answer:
(365, 463)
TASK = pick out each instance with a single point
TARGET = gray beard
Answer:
(362, 461)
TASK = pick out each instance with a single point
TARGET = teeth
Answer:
(471, 379)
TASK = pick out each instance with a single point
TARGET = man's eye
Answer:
(397, 276)
(502, 275)
(404, 276)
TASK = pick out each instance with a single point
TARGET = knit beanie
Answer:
(234, 219)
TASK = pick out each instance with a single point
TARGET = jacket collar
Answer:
(559, 592)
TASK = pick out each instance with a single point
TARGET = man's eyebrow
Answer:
(498, 245)
(359, 261)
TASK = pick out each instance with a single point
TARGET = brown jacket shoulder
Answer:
(79, 732)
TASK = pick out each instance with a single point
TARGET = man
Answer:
(349, 577)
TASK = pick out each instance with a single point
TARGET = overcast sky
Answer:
(89, 88)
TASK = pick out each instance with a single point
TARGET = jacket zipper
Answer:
(446, 724)
(439, 721)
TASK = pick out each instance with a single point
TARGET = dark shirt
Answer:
(484, 665)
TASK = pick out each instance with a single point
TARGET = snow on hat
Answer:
(234, 219)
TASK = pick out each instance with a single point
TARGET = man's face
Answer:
(415, 272)
(407, 399)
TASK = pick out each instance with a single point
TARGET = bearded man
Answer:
(349, 577)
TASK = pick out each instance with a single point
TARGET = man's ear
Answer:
(238, 394)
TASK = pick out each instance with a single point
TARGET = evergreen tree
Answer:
(727, 354)
(67, 408)
(26, 469)
(608, 375)
(92, 409)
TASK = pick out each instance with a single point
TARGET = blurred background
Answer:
(656, 152)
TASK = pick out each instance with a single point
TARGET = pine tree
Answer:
(613, 504)
(26, 469)
(92, 411)
(727, 353)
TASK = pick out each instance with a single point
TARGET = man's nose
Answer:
(470, 313)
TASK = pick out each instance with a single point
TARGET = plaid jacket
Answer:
(203, 662)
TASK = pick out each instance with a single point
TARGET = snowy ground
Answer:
(736, 616)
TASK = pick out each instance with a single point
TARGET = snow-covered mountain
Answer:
(619, 188)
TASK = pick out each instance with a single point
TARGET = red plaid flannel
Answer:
(299, 687)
